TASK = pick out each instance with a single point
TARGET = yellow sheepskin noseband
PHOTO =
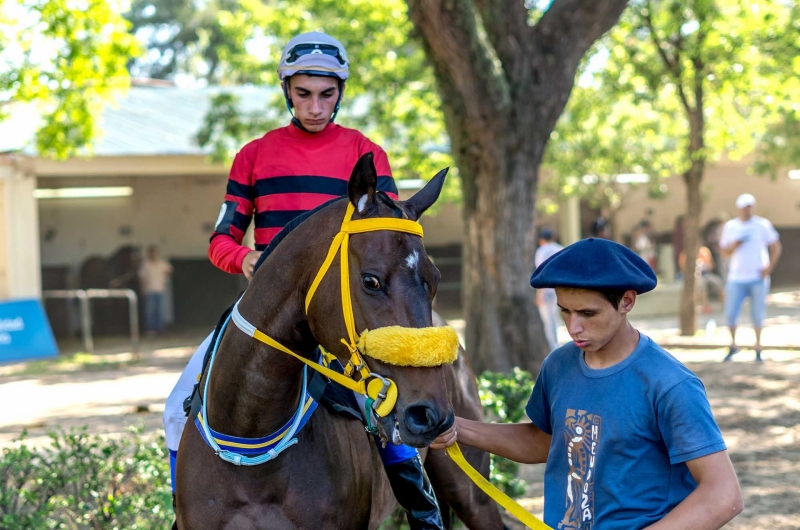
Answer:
(421, 347)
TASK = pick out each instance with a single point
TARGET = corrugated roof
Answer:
(145, 121)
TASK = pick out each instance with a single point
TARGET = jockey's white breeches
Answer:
(174, 416)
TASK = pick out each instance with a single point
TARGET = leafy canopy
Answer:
(69, 56)
(630, 111)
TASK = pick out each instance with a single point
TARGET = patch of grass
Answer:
(80, 361)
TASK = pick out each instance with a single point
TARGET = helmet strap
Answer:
(299, 125)
(290, 106)
(338, 101)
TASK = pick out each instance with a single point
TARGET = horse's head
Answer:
(392, 283)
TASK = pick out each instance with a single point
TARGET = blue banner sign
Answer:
(25, 333)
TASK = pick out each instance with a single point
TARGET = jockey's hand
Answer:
(249, 263)
(447, 438)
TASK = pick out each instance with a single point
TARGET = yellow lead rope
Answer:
(454, 452)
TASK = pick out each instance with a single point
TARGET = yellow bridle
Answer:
(381, 390)
(442, 341)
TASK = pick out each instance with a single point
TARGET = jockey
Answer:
(275, 178)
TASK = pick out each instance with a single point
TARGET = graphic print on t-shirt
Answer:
(582, 437)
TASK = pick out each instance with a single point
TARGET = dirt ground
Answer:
(757, 407)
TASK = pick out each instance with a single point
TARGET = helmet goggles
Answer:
(300, 50)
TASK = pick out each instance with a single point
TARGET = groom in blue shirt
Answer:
(625, 429)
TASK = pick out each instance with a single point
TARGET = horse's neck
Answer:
(254, 389)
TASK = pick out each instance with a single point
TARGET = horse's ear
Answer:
(424, 198)
(363, 183)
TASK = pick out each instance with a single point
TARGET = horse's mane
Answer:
(291, 225)
(297, 221)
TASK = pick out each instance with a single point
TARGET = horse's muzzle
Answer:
(424, 423)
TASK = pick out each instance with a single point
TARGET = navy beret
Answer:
(595, 264)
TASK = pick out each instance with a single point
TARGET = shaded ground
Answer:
(757, 406)
(108, 393)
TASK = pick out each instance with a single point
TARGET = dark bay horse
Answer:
(333, 476)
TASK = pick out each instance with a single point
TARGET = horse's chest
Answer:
(332, 478)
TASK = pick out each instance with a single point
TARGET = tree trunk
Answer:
(503, 85)
(499, 170)
(694, 209)
(504, 328)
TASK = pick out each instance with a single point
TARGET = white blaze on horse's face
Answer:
(412, 260)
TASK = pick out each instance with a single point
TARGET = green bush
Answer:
(504, 397)
(82, 482)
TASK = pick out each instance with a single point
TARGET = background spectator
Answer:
(746, 240)
(154, 273)
(546, 298)
(643, 243)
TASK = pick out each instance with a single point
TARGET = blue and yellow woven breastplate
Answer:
(255, 446)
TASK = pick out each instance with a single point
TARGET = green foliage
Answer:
(780, 147)
(181, 37)
(86, 482)
(226, 128)
(631, 109)
(504, 397)
(69, 56)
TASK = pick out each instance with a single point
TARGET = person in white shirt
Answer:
(153, 274)
(546, 298)
(752, 244)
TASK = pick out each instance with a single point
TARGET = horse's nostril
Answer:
(421, 418)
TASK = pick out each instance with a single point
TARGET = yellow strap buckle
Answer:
(383, 392)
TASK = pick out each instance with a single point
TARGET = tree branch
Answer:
(569, 27)
(697, 143)
(561, 38)
(672, 64)
(450, 33)
(506, 24)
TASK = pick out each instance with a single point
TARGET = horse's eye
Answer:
(371, 282)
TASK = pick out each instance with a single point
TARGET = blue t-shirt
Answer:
(621, 437)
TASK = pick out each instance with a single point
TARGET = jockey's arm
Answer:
(521, 442)
(716, 500)
(225, 250)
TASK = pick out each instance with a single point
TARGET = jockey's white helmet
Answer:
(314, 53)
